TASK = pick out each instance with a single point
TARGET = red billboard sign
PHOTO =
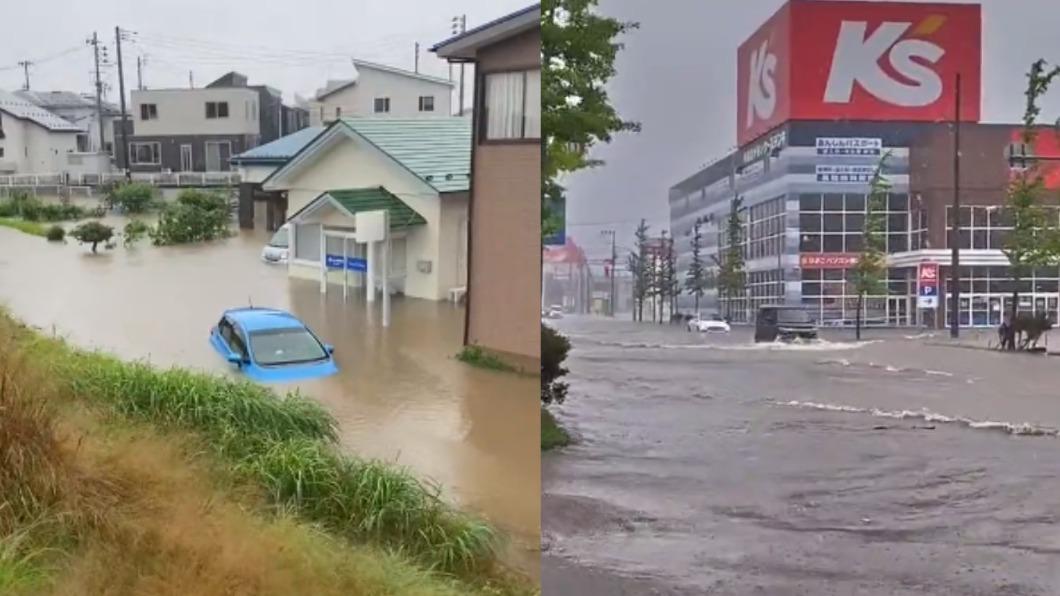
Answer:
(763, 77)
(828, 260)
(929, 274)
(860, 61)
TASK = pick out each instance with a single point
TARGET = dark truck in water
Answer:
(786, 323)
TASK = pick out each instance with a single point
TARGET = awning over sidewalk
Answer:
(354, 200)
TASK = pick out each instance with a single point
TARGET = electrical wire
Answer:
(48, 58)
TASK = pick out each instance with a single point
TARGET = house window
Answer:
(108, 147)
(426, 103)
(217, 109)
(148, 111)
(513, 105)
(145, 154)
(82, 143)
(1, 151)
(382, 105)
(1, 126)
(338, 111)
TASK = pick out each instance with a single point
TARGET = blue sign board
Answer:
(929, 290)
(352, 263)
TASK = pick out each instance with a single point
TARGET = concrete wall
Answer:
(504, 289)
(183, 112)
(352, 163)
(404, 93)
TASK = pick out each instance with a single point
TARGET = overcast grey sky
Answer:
(294, 46)
(677, 76)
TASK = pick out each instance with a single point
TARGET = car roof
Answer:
(257, 319)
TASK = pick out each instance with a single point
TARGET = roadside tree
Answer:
(871, 268)
(697, 280)
(731, 276)
(1034, 240)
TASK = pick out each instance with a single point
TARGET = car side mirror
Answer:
(330, 349)
(235, 359)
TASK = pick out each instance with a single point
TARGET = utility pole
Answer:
(460, 26)
(139, 73)
(25, 64)
(611, 272)
(955, 231)
(416, 59)
(191, 80)
(94, 42)
(124, 115)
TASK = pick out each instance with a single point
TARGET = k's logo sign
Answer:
(857, 60)
(762, 90)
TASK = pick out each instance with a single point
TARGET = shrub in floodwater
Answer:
(195, 216)
(132, 197)
(93, 233)
(554, 350)
(133, 232)
(56, 233)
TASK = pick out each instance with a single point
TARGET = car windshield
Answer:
(285, 346)
(279, 239)
(793, 315)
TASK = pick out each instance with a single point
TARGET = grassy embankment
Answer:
(119, 478)
(552, 434)
(26, 227)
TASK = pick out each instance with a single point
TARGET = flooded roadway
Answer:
(710, 466)
(400, 395)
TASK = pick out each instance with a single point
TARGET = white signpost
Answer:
(373, 227)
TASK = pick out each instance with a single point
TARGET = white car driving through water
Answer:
(277, 248)
(709, 325)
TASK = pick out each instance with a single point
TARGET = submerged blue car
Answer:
(271, 345)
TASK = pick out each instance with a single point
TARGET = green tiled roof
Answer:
(436, 149)
(378, 199)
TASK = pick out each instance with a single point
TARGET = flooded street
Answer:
(400, 395)
(709, 465)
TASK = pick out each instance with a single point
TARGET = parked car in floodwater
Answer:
(786, 323)
(277, 249)
(268, 345)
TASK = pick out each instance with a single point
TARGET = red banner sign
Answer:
(859, 61)
(834, 260)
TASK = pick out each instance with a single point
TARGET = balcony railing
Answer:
(153, 178)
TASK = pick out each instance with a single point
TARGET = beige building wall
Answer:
(505, 278)
(359, 99)
(352, 163)
(183, 112)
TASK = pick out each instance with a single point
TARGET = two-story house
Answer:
(504, 208)
(199, 130)
(378, 90)
(32, 139)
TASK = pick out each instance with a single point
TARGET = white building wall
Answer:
(404, 93)
(183, 112)
(33, 149)
(354, 164)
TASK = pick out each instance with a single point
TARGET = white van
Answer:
(277, 248)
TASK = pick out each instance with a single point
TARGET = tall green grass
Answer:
(20, 562)
(287, 445)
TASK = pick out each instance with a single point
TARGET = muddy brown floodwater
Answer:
(400, 395)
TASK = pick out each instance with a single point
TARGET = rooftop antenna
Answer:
(250, 301)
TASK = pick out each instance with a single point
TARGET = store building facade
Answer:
(803, 169)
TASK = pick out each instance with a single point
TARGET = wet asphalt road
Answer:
(707, 465)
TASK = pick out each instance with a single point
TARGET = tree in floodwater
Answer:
(698, 279)
(731, 275)
(1034, 240)
(92, 232)
(871, 269)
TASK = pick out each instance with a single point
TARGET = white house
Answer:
(416, 168)
(32, 139)
(379, 90)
